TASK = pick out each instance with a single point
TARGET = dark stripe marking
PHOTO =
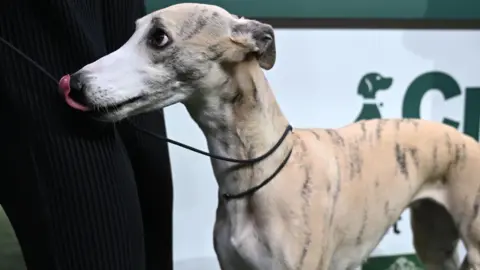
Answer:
(316, 135)
(336, 138)
(448, 142)
(414, 154)
(337, 190)
(379, 128)
(435, 158)
(356, 160)
(306, 194)
(401, 159)
(364, 225)
(364, 130)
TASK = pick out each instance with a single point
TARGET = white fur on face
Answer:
(129, 73)
(118, 76)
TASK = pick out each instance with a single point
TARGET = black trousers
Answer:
(81, 195)
(78, 204)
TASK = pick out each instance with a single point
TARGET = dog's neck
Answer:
(242, 120)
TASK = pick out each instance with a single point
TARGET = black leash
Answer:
(244, 161)
(226, 196)
(251, 191)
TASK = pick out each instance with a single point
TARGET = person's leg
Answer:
(72, 202)
(149, 157)
(151, 163)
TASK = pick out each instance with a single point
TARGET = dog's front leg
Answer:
(227, 256)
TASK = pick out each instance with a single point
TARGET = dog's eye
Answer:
(158, 39)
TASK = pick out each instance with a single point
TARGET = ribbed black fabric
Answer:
(75, 189)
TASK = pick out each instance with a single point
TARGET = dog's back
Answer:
(377, 168)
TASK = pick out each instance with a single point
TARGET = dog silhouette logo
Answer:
(368, 87)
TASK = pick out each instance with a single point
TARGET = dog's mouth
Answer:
(116, 107)
(96, 110)
(78, 101)
(115, 112)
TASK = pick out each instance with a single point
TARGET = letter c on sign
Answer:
(435, 80)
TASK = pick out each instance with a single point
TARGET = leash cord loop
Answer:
(251, 191)
(245, 161)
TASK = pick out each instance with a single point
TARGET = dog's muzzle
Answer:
(73, 89)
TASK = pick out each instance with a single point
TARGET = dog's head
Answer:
(371, 83)
(175, 53)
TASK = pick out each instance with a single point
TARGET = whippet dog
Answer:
(340, 190)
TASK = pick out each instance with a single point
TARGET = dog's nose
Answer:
(73, 89)
(77, 89)
(75, 83)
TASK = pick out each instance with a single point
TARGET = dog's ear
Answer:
(253, 37)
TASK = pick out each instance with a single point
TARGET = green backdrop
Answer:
(353, 9)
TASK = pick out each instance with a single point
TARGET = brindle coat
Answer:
(340, 190)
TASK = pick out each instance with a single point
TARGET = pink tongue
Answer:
(64, 85)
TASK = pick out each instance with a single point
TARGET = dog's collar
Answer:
(251, 191)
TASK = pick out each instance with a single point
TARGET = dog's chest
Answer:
(240, 247)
